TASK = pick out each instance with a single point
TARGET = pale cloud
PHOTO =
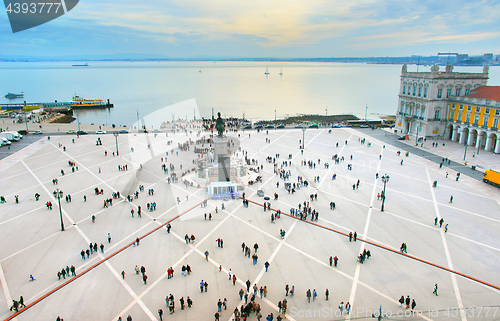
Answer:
(312, 27)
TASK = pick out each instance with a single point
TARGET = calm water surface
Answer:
(233, 88)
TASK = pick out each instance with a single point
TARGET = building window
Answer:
(497, 112)
(477, 109)
(409, 90)
(467, 119)
(419, 91)
(440, 92)
(485, 121)
(467, 91)
(436, 114)
(404, 90)
(425, 92)
(414, 90)
(495, 123)
(476, 120)
(487, 110)
(461, 107)
(402, 105)
(468, 108)
(452, 116)
(448, 93)
(458, 91)
(459, 117)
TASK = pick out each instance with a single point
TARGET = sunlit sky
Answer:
(263, 28)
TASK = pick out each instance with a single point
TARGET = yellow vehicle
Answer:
(492, 176)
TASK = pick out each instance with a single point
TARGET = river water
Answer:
(232, 88)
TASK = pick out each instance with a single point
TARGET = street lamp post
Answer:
(275, 119)
(385, 179)
(303, 134)
(116, 140)
(58, 194)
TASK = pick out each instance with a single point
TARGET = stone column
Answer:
(462, 136)
(470, 139)
(454, 134)
(489, 141)
(497, 147)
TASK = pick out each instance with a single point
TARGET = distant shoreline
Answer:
(356, 60)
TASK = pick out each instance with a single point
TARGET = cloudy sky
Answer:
(263, 28)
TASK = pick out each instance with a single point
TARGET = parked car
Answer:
(248, 127)
(71, 131)
(280, 126)
(401, 137)
(258, 127)
(81, 132)
(38, 132)
(269, 126)
(298, 126)
(100, 132)
(123, 131)
(313, 126)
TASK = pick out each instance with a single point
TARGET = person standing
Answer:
(451, 199)
(202, 283)
(348, 308)
(350, 236)
(308, 295)
(435, 289)
(286, 290)
(413, 304)
(315, 294)
(335, 261)
(355, 236)
(341, 307)
(327, 293)
(331, 260)
(160, 313)
(109, 237)
(267, 265)
(401, 300)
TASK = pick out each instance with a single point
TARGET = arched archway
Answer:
(464, 134)
(481, 139)
(449, 132)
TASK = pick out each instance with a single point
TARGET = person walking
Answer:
(451, 199)
(446, 228)
(341, 307)
(335, 261)
(355, 236)
(331, 260)
(315, 294)
(308, 295)
(267, 265)
(160, 314)
(413, 304)
(109, 237)
(435, 289)
(327, 293)
(401, 300)
(202, 284)
(441, 221)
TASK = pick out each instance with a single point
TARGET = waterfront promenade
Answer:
(33, 242)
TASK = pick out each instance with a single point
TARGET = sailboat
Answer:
(267, 71)
(200, 70)
(281, 72)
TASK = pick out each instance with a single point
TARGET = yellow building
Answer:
(474, 118)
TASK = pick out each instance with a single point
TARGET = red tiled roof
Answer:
(486, 92)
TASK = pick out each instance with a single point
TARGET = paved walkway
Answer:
(391, 138)
(34, 244)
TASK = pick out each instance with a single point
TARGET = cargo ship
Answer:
(84, 65)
